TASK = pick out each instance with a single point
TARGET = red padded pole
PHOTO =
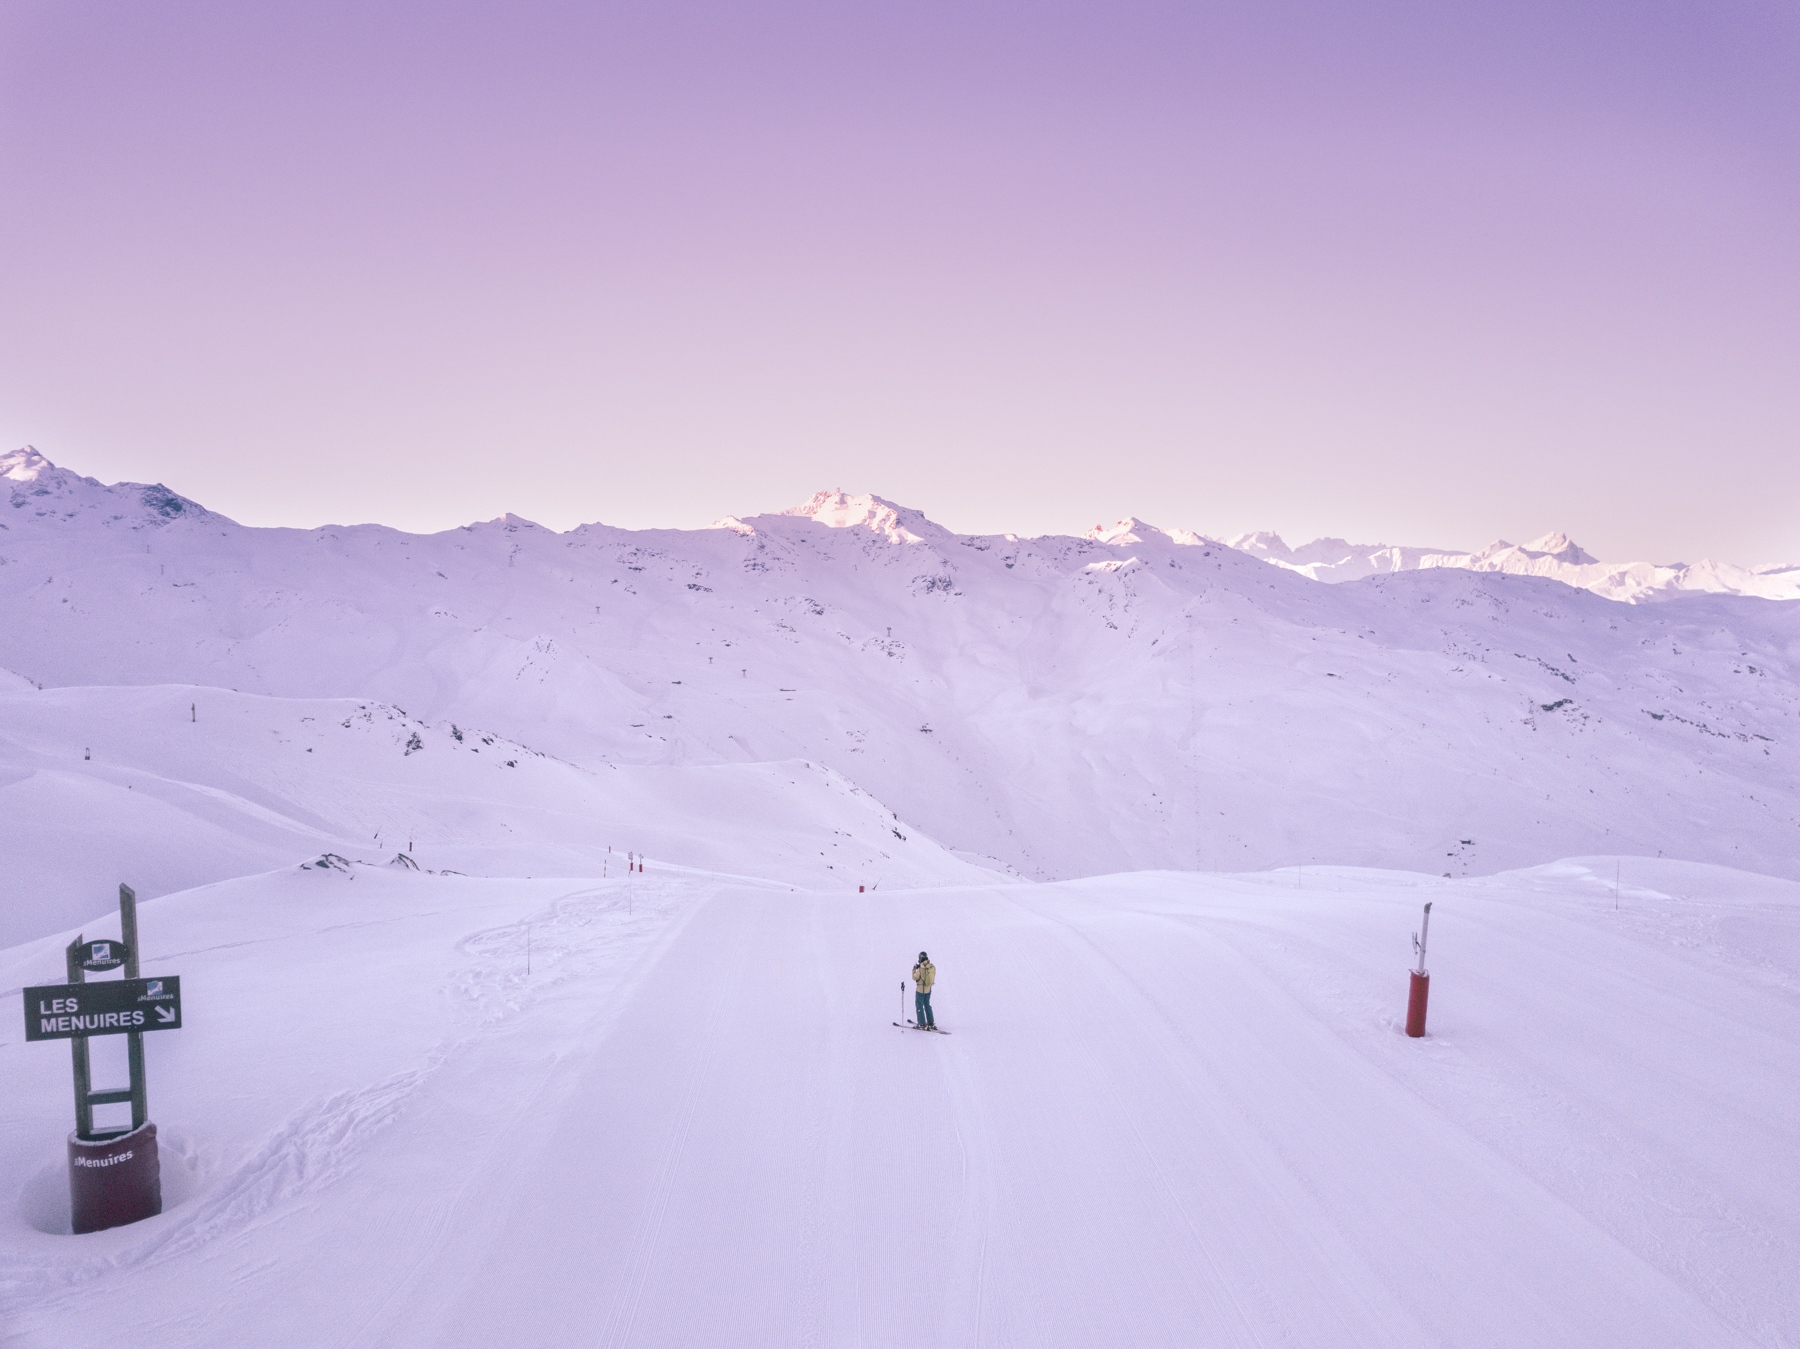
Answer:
(1421, 981)
(1415, 1004)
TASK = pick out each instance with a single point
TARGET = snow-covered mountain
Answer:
(448, 1075)
(1554, 555)
(1058, 706)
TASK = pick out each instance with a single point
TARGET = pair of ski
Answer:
(910, 1024)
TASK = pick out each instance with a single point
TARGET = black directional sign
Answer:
(103, 955)
(115, 1007)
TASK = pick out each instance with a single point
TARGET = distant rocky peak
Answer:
(1133, 530)
(1263, 543)
(24, 465)
(841, 510)
(1561, 547)
(42, 491)
(1129, 530)
(1331, 551)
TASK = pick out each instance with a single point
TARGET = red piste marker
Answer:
(1421, 982)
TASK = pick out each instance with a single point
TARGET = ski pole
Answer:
(902, 1022)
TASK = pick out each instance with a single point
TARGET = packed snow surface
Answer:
(1173, 1110)
(1164, 815)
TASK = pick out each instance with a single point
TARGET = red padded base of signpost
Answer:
(1415, 1004)
(114, 1182)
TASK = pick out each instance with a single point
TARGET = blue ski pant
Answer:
(922, 1009)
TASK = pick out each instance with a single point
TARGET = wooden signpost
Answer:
(115, 1176)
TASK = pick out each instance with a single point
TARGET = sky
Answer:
(1417, 273)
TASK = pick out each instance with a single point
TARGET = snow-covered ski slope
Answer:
(1177, 1110)
(1059, 706)
(174, 786)
(448, 1077)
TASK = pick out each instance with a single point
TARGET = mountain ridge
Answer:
(1555, 556)
(1066, 706)
(39, 484)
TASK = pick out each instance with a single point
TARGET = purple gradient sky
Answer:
(1424, 273)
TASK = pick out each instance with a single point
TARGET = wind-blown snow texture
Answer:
(450, 1077)
(1059, 706)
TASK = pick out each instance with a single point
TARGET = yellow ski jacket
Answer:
(924, 976)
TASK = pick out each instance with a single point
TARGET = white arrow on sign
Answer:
(165, 1014)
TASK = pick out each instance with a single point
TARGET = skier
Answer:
(924, 976)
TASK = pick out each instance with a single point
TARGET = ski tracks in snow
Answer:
(578, 934)
(979, 1198)
(309, 1151)
(1146, 1096)
(516, 963)
(649, 1230)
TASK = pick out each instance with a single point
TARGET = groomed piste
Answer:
(1177, 1109)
